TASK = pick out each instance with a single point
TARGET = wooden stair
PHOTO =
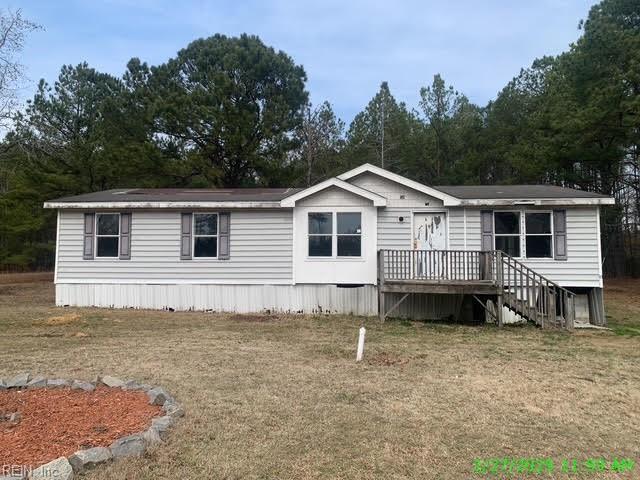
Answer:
(531, 295)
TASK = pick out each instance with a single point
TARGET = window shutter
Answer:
(560, 234)
(185, 236)
(125, 236)
(223, 235)
(486, 225)
(89, 236)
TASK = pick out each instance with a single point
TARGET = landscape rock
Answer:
(60, 469)
(86, 459)
(162, 425)
(17, 476)
(152, 437)
(80, 385)
(113, 382)
(15, 417)
(173, 409)
(158, 395)
(133, 385)
(58, 382)
(3, 386)
(20, 380)
(131, 446)
(38, 382)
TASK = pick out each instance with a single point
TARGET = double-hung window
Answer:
(330, 232)
(536, 231)
(107, 235)
(507, 232)
(538, 235)
(321, 234)
(349, 234)
(205, 235)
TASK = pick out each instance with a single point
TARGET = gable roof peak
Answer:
(448, 200)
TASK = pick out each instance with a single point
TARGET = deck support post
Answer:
(499, 304)
(553, 320)
(381, 306)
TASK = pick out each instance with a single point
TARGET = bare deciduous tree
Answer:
(13, 31)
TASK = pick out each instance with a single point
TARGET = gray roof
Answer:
(183, 195)
(463, 192)
(483, 192)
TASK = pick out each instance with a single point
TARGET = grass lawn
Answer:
(282, 397)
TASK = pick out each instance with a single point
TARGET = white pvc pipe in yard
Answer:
(360, 344)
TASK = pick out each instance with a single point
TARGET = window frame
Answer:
(338, 235)
(552, 234)
(334, 235)
(98, 236)
(194, 235)
(331, 235)
(518, 235)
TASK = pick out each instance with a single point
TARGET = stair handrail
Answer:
(504, 259)
(529, 269)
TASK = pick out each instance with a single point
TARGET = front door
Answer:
(429, 233)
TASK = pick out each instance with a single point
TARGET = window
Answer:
(507, 232)
(349, 235)
(345, 239)
(538, 232)
(107, 235)
(205, 235)
(320, 234)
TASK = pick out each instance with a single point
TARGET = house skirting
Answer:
(360, 300)
(301, 298)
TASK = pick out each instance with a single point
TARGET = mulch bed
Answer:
(58, 422)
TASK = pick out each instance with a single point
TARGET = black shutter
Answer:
(185, 236)
(223, 235)
(89, 236)
(125, 236)
(560, 234)
(486, 227)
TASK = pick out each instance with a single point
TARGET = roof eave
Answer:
(575, 201)
(165, 204)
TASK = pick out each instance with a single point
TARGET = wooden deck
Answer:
(459, 287)
(479, 273)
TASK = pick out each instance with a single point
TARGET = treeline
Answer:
(231, 112)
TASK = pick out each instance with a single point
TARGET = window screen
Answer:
(507, 232)
(107, 234)
(205, 235)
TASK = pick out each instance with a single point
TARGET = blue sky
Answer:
(347, 47)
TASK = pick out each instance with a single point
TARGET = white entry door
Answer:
(429, 233)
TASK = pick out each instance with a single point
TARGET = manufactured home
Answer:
(368, 242)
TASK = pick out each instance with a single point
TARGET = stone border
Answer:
(134, 445)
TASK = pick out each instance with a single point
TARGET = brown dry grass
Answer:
(285, 399)
(64, 319)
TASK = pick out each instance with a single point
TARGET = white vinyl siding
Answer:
(456, 229)
(261, 251)
(393, 233)
(397, 195)
(401, 202)
(582, 267)
(334, 197)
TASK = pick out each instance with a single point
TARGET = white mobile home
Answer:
(369, 242)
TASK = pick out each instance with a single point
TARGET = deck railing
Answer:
(436, 265)
(524, 290)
